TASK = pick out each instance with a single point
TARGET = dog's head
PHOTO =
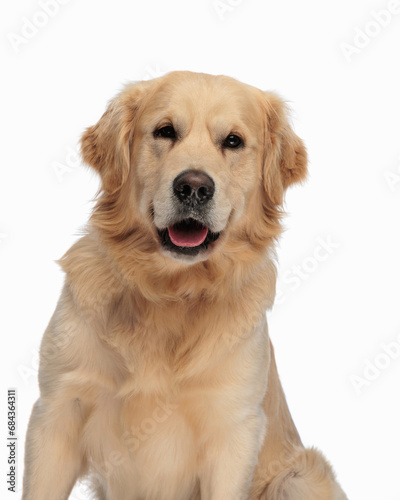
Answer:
(195, 162)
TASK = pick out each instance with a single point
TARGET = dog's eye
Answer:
(232, 141)
(168, 132)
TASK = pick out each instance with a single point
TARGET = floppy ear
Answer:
(285, 160)
(106, 145)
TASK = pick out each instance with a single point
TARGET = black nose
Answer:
(193, 187)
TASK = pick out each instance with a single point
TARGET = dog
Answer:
(157, 375)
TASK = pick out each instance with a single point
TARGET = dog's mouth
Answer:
(187, 237)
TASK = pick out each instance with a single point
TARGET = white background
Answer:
(330, 325)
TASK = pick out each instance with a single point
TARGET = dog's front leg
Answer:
(230, 460)
(52, 455)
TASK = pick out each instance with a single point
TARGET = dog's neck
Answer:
(97, 271)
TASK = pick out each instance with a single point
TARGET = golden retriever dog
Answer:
(157, 375)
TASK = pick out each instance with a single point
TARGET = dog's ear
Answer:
(106, 145)
(285, 159)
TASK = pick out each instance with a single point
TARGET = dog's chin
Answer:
(188, 241)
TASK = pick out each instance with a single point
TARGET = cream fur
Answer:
(157, 376)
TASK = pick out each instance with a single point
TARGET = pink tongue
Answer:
(190, 237)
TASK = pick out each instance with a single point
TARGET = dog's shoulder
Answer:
(90, 273)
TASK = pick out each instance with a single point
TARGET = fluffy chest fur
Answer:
(156, 428)
(161, 381)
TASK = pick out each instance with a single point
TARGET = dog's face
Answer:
(198, 156)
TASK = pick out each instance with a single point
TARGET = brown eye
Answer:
(167, 132)
(233, 141)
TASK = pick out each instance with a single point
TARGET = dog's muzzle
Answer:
(189, 233)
